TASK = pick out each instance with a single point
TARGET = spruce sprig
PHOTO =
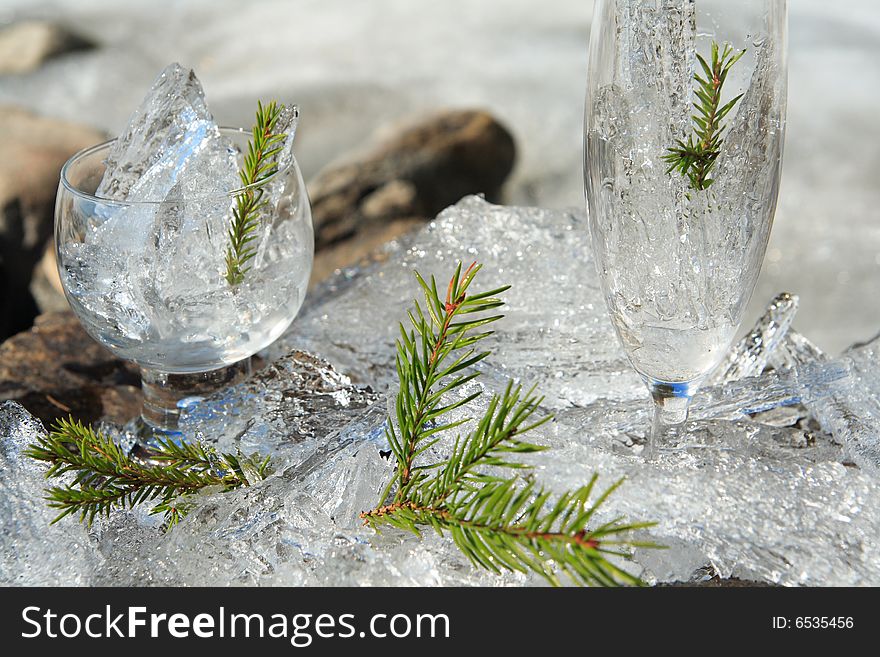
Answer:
(260, 163)
(106, 478)
(499, 522)
(424, 361)
(695, 158)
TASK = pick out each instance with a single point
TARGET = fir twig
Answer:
(105, 478)
(260, 163)
(499, 522)
(695, 158)
(424, 362)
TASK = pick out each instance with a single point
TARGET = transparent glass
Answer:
(146, 279)
(678, 264)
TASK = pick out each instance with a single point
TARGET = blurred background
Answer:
(356, 67)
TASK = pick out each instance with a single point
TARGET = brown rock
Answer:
(26, 45)
(45, 284)
(55, 369)
(397, 198)
(418, 171)
(32, 152)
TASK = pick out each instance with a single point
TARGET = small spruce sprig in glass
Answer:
(106, 478)
(695, 158)
(260, 163)
(499, 523)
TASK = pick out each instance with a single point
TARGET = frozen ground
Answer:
(353, 66)
(775, 479)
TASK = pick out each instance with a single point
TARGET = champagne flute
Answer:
(684, 129)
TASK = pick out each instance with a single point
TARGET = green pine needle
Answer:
(695, 158)
(498, 522)
(260, 163)
(105, 478)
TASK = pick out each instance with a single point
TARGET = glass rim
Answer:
(91, 150)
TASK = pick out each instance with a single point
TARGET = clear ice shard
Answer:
(851, 409)
(752, 354)
(775, 481)
(34, 553)
(171, 121)
(286, 124)
(845, 401)
(171, 152)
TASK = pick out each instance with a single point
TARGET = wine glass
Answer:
(684, 128)
(148, 279)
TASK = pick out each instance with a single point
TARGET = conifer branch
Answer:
(695, 158)
(499, 522)
(424, 361)
(105, 478)
(260, 162)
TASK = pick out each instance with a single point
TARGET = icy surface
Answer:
(851, 411)
(756, 489)
(34, 553)
(556, 324)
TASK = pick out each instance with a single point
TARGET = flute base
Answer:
(671, 403)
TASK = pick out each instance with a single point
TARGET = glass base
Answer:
(166, 394)
(671, 403)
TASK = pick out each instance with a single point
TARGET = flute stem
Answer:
(671, 403)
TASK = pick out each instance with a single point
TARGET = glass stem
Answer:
(671, 402)
(166, 393)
